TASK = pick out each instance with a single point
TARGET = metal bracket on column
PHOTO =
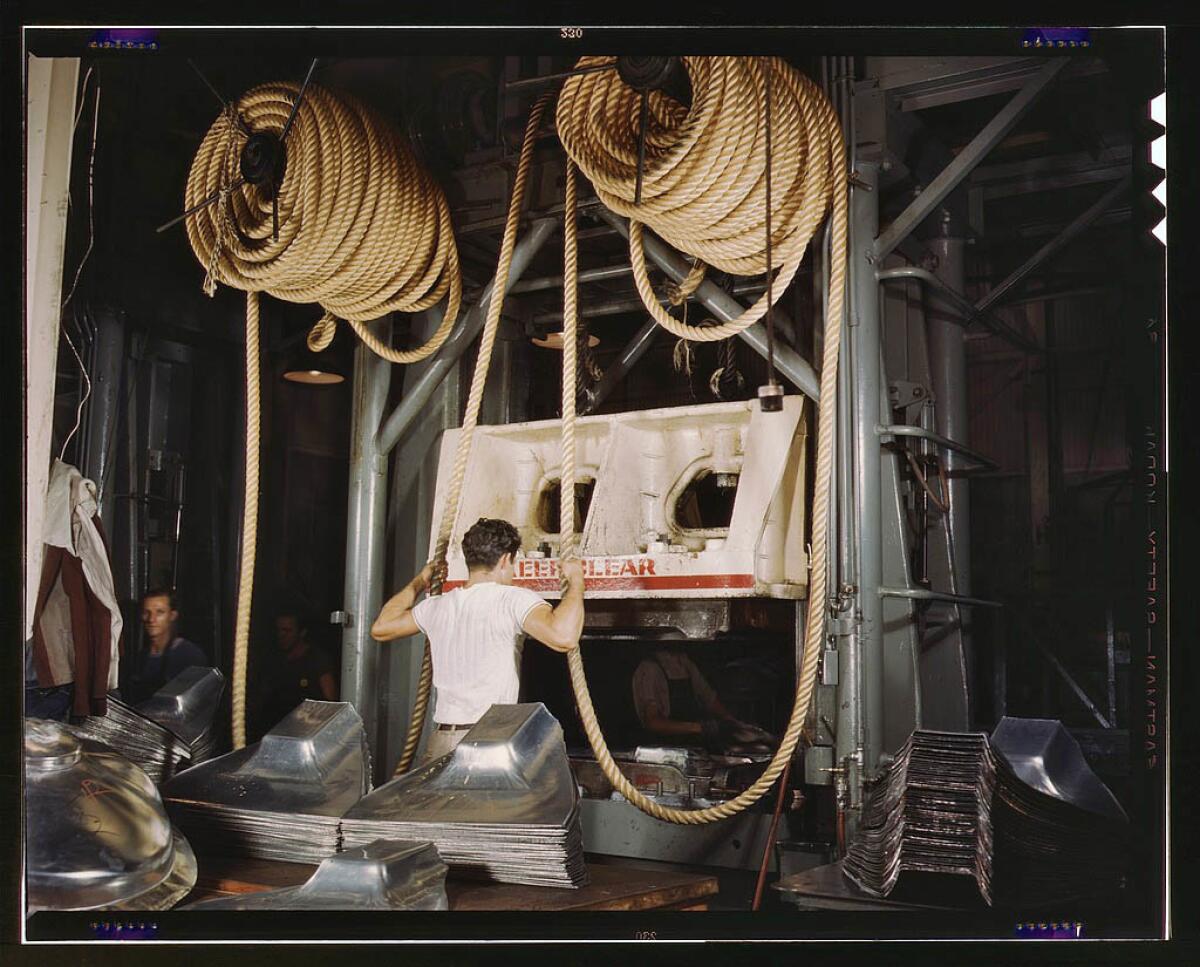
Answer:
(941, 441)
(922, 594)
(964, 305)
(953, 174)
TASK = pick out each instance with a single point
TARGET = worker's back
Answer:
(475, 636)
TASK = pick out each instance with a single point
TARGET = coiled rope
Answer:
(702, 167)
(704, 175)
(362, 229)
(471, 417)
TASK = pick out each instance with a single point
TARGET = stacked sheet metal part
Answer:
(171, 730)
(383, 875)
(280, 798)
(157, 750)
(97, 836)
(187, 706)
(1022, 815)
(502, 806)
(1059, 830)
(930, 813)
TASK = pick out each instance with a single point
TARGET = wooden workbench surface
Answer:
(611, 887)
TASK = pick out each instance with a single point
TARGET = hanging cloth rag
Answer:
(76, 621)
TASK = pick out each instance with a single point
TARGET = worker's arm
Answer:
(656, 722)
(559, 628)
(396, 619)
(328, 689)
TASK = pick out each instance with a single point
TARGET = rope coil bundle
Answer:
(362, 229)
(704, 175)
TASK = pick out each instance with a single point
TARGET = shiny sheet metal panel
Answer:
(187, 704)
(511, 769)
(1046, 756)
(280, 798)
(383, 875)
(503, 805)
(313, 762)
(97, 834)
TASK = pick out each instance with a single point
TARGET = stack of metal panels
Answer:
(187, 706)
(502, 806)
(157, 750)
(1021, 814)
(280, 798)
(171, 730)
(930, 813)
(1059, 830)
(383, 875)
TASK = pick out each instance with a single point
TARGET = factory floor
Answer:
(736, 887)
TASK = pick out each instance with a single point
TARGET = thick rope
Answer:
(703, 187)
(822, 149)
(241, 636)
(363, 230)
(471, 417)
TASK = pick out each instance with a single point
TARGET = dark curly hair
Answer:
(162, 592)
(487, 541)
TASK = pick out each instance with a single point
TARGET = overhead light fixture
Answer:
(554, 340)
(326, 368)
(314, 377)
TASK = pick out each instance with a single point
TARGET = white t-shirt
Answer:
(475, 637)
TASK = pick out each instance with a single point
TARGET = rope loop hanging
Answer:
(713, 145)
(487, 342)
(704, 177)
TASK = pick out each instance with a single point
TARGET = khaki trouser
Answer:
(441, 743)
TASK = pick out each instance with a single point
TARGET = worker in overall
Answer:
(168, 654)
(675, 702)
(298, 669)
(476, 632)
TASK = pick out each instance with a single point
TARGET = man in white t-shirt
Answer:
(476, 632)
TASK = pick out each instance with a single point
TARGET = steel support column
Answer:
(865, 341)
(365, 535)
(948, 361)
(464, 334)
(104, 411)
(721, 304)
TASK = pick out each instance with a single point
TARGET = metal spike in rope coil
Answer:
(703, 187)
(487, 341)
(363, 230)
(818, 148)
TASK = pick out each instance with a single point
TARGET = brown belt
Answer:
(443, 727)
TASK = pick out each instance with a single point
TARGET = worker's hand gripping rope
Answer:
(471, 417)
